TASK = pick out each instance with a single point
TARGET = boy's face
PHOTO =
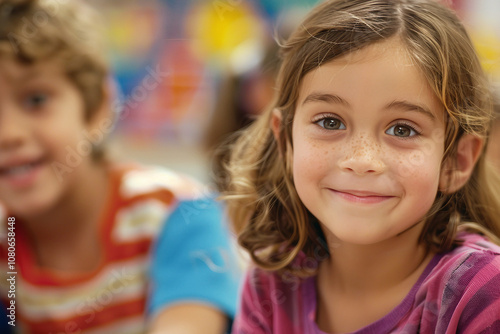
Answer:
(41, 123)
(368, 139)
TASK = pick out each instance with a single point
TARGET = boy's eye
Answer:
(401, 130)
(330, 123)
(35, 101)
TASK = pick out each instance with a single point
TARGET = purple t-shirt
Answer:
(458, 292)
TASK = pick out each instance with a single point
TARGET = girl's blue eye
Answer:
(35, 101)
(330, 123)
(401, 130)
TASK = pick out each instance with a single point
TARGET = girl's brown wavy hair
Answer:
(272, 223)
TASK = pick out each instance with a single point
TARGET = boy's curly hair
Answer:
(65, 31)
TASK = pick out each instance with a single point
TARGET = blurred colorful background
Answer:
(179, 64)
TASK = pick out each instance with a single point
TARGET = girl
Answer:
(363, 195)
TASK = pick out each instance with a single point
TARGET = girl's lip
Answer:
(361, 196)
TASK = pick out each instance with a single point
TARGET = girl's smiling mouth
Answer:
(360, 196)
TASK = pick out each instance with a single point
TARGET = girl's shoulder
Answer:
(475, 255)
(462, 287)
(473, 246)
(263, 282)
(477, 242)
(273, 302)
(472, 266)
(276, 287)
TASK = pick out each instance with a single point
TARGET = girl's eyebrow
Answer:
(325, 97)
(409, 106)
(396, 104)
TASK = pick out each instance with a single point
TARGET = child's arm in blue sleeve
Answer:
(193, 263)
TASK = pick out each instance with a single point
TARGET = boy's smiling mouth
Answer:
(20, 173)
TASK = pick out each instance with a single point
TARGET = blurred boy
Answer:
(87, 241)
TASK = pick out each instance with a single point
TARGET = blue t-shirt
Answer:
(193, 260)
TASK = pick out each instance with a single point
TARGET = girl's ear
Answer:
(458, 169)
(276, 123)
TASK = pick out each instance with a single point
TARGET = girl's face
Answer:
(368, 139)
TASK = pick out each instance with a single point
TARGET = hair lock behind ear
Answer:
(448, 235)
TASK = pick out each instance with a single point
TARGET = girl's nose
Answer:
(363, 157)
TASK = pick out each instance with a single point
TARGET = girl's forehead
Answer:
(387, 57)
(393, 46)
(378, 74)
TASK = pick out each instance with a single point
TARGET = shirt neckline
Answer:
(39, 275)
(384, 324)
